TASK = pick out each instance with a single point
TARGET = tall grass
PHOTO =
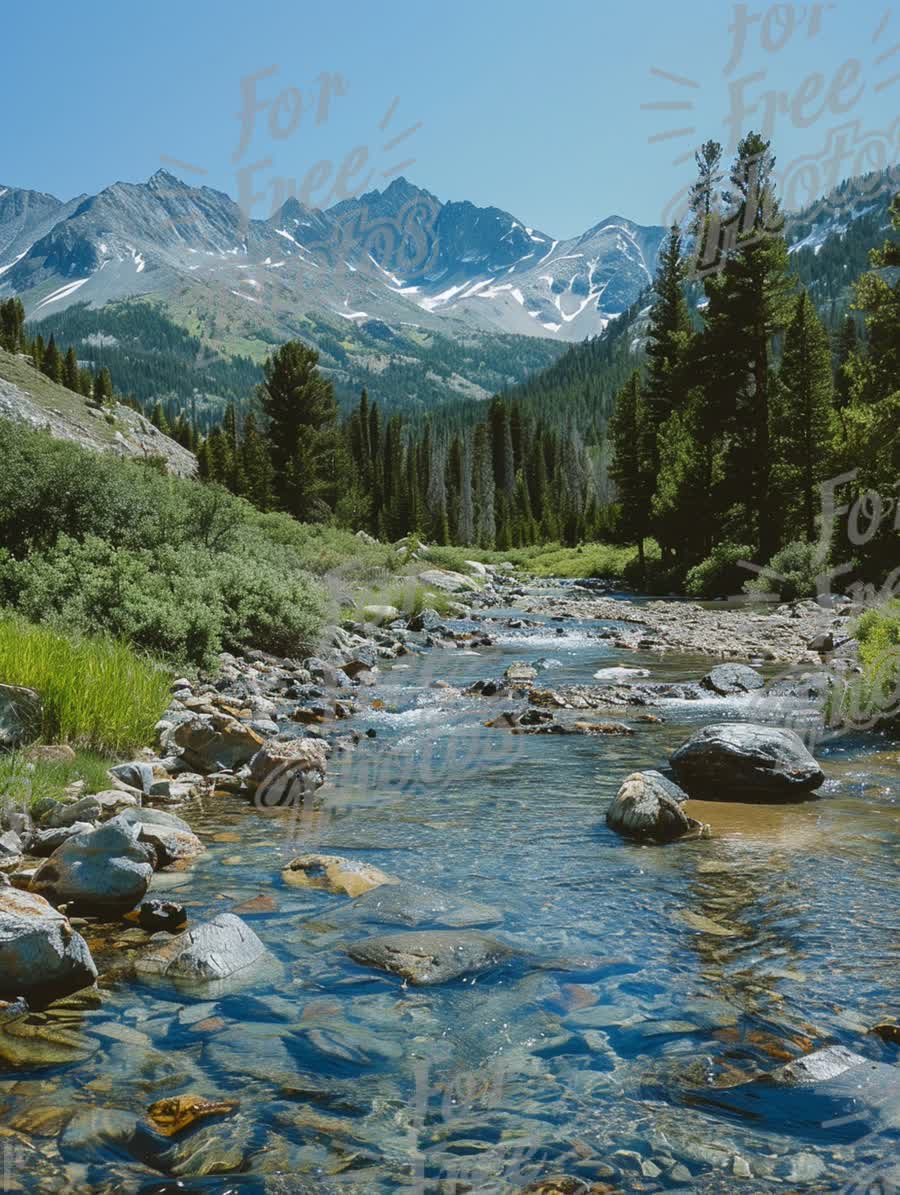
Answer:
(97, 693)
(25, 779)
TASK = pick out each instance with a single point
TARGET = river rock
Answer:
(335, 874)
(212, 742)
(98, 871)
(380, 614)
(729, 679)
(41, 956)
(285, 771)
(648, 807)
(429, 957)
(411, 904)
(172, 839)
(743, 761)
(44, 842)
(21, 714)
(11, 848)
(214, 951)
(87, 809)
(136, 774)
(448, 581)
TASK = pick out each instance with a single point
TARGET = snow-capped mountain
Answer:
(399, 256)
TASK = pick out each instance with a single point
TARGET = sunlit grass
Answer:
(98, 694)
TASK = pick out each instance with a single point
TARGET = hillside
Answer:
(30, 398)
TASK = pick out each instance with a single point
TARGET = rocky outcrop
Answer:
(41, 956)
(647, 807)
(106, 870)
(21, 713)
(742, 761)
(431, 956)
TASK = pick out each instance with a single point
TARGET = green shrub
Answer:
(657, 578)
(720, 574)
(798, 567)
(97, 693)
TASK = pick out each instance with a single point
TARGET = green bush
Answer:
(173, 566)
(798, 565)
(657, 578)
(97, 693)
(720, 574)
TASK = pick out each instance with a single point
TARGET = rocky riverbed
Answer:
(517, 896)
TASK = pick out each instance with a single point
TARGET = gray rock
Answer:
(448, 581)
(45, 841)
(745, 761)
(416, 904)
(41, 956)
(211, 742)
(98, 871)
(11, 848)
(283, 772)
(729, 679)
(21, 714)
(87, 809)
(136, 774)
(648, 807)
(214, 951)
(431, 956)
(171, 838)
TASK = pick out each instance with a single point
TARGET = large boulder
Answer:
(449, 581)
(106, 870)
(216, 742)
(647, 807)
(41, 956)
(730, 679)
(334, 874)
(172, 839)
(21, 714)
(431, 956)
(284, 772)
(213, 952)
(742, 761)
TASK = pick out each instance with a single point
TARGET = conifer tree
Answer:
(52, 364)
(103, 388)
(70, 374)
(803, 431)
(631, 432)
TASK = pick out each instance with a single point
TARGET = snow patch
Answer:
(62, 293)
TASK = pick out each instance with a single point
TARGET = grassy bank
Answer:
(545, 560)
(97, 693)
(26, 778)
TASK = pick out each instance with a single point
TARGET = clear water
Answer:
(624, 1025)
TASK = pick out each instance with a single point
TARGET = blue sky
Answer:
(533, 107)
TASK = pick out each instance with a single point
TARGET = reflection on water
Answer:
(649, 981)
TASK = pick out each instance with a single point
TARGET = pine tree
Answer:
(803, 431)
(301, 411)
(103, 388)
(52, 364)
(70, 375)
(256, 464)
(704, 205)
(483, 488)
(749, 302)
(631, 432)
(668, 338)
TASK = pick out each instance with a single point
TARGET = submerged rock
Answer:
(745, 761)
(648, 807)
(335, 874)
(106, 870)
(41, 956)
(410, 904)
(432, 956)
(730, 679)
(214, 950)
(174, 1115)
